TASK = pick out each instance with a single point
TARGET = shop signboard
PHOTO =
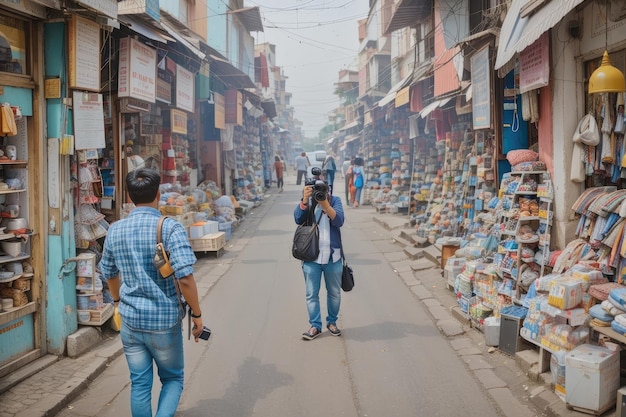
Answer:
(178, 119)
(184, 89)
(534, 65)
(402, 97)
(481, 89)
(88, 120)
(84, 54)
(147, 7)
(137, 70)
(220, 111)
(163, 90)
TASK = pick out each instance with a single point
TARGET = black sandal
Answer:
(312, 333)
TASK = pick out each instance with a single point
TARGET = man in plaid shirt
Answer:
(151, 314)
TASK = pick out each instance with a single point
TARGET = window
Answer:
(13, 45)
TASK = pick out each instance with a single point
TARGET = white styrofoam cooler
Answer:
(591, 378)
(492, 331)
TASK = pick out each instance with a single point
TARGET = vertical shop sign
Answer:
(534, 65)
(84, 54)
(88, 120)
(184, 89)
(137, 70)
(178, 120)
(481, 89)
(220, 111)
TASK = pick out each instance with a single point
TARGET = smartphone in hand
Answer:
(206, 333)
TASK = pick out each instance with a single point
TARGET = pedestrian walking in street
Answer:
(328, 170)
(279, 166)
(302, 164)
(148, 303)
(347, 168)
(325, 209)
(358, 181)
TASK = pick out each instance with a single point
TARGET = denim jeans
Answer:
(357, 198)
(142, 349)
(312, 279)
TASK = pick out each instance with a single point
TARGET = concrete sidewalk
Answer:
(46, 386)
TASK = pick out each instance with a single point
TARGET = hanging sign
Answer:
(88, 120)
(84, 54)
(137, 70)
(220, 111)
(178, 120)
(184, 89)
(481, 89)
(534, 65)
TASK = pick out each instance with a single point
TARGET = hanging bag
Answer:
(347, 275)
(306, 241)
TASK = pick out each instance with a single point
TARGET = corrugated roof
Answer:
(408, 13)
(519, 32)
(250, 17)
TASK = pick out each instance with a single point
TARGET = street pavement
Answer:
(50, 385)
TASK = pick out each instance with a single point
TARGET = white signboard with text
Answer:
(137, 70)
(184, 89)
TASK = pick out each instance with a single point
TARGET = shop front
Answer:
(23, 284)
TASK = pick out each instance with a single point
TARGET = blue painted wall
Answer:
(61, 320)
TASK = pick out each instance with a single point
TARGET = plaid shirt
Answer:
(147, 301)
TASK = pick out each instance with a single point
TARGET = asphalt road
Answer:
(391, 360)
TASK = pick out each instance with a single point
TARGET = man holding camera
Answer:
(149, 304)
(318, 205)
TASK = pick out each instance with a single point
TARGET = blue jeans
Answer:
(312, 279)
(165, 348)
(357, 197)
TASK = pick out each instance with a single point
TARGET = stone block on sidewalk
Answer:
(422, 264)
(82, 340)
(414, 253)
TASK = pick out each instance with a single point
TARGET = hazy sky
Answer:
(314, 40)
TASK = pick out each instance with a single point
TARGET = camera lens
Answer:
(317, 171)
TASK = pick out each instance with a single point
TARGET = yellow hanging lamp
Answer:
(606, 78)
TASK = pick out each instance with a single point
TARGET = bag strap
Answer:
(341, 246)
(159, 240)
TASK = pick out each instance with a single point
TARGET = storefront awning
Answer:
(391, 95)
(432, 106)
(179, 38)
(408, 13)
(349, 125)
(351, 138)
(144, 29)
(519, 32)
(229, 74)
(269, 107)
(250, 17)
(330, 141)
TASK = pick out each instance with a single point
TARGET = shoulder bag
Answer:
(306, 246)
(347, 275)
(162, 264)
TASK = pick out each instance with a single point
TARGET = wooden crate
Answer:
(98, 317)
(209, 243)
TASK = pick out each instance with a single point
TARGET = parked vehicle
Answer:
(316, 158)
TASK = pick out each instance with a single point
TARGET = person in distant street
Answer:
(328, 170)
(302, 164)
(350, 190)
(358, 181)
(328, 213)
(279, 166)
(149, 304)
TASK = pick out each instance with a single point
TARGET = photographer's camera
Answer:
(320, 191)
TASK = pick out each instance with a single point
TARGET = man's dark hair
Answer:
(143, 185)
